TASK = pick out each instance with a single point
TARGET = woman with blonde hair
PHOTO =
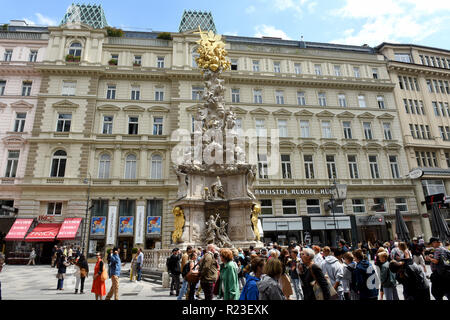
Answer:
(269, 287)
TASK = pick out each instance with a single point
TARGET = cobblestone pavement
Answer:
(39, 283)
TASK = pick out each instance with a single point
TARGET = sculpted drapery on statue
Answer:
(178, 224)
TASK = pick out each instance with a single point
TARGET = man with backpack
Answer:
(387, 278)
(440, 268)
(174, 269)
(348, 279)
(366, 279)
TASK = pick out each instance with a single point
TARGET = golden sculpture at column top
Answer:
(212, 52)
(256, 211)
(178, 224)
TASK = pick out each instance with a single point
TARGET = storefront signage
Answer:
(309, 191)
(46, 218)
(153, 225)
(8, 208)
(140, 220)
(112, 225)
(98, 226)
(376, 220)
(330, 223)
(19, 229)
(416, 174)
(126, 225)
(69, 229)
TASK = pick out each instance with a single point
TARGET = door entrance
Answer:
(125, 246)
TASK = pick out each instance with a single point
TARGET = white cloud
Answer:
(270, 31)
(250, 10)
(296, 5)
(41, 20)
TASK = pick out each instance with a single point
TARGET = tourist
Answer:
(405, 253)
(98, 284)
(70, 252)
(269, 287)
(184, 260)
(417, 251)
(343, 246)
(228, 279)
(81, 273)
(293, 273)
(318, 258)
(250, 290)
(310, 274)
(242, 264)
(32, 257)
(174, 269)
(54, 250)
(62, 266)
(208, 270)
(387, 247)
(285, 280)
(139, 263)
(348, 279)
(59, 254)
(274, 249)
(388, 283)
(440, 276)
(193, 268)
(396, 253)
(413, 280)
(115, 267)
(365, 277)
(333, 268)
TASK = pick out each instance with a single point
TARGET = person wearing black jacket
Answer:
(62, 266)
(174, 269)
(310, 272)
(84, 271)
(413, 279)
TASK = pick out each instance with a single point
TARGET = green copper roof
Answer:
(193, 19)
(91, 15)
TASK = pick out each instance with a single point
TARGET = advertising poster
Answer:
(126, 225)
(140, 221)
(153, 225)
(112, 225)
(98, 226)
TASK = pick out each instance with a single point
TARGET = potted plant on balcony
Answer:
(136, 64)
(113, 62)
(70, 58)
(76, 59)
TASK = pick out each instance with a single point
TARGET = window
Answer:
(69, 88)
(313, 206)
(282, 128)
(12, 163)
(331, 167)
(155, 208)
(197, 93)
(387, 131)
(435, 108)
(400, 204)
(256, 65)
(135, 92)
(436, 87)
(160, 62)
(127, 208)
(301, 98)
(19, 124)
(257, 96)
(447, 88)
(75, 49)
(304, 128)
(235, 95)
(318, 69)
(130, 167)
(156, 171)
(59, 164)
(100, 208)
(421, 107)
(368, 130)
(322, 99)
(342, 100)
(380, 204)
(114, 59)
(262, 166)
(195, 55)
(358, 206)
(362, 101)
(337, 71)
(416, 104)
(428, 132)
(431, 187)
(111, 92)
(373, 163)
(400, 83)
(297, 68)
(159, 94)
(277, 67)
(443, 136)
(133, 124)
(356, 72)
(33, 56)
(54, 208)
(375, 73)
(8, 55)
(326, 129)
(416, 84)
(279, 96)
(2, 88)
(266, 207)
(380, 101)
(107, 124)
(429, 86)
(104, 166)
(394, 167)
(309, 166)
(157, 126)
(447, 159)
(403, 57)
(289, 206)
(137, 61)
(26, 88)
(234, 64)
(347, 129)
(422, 130)
(411, 106)
(417, 131)
(64, 122)
(353, 167)
(441, 86)
(260, 128)
(286, 166)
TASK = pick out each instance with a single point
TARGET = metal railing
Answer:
(23, 35)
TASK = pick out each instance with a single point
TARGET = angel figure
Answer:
(256, 211)
(178, 224)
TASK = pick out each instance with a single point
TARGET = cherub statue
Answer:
(256, 211)
(178, 224)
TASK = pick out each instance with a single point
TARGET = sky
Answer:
(356, 22)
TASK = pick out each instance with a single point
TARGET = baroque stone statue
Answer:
(256, 211)
(178, 224)
(215, 232)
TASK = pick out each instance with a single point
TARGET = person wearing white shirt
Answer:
(318, 259)
(139, 262)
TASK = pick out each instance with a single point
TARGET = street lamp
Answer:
(338, 194)
(85, 225)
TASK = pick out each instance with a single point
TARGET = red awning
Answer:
(44, 232)
(69, 229)
(19, 230)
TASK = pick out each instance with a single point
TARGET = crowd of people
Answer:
(302, 272)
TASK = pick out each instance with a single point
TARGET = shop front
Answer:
(324, 231)
(372, 228)
(43, 238)
(283, 230)
(98, 223)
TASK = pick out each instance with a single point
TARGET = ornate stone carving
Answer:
(216, 232)
(178, 224)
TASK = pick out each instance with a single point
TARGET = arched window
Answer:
(75, 49)
(104, 165)
(195, 55)
(59, 164)
(156, 166)
(130, 167)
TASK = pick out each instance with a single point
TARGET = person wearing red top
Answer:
(98, 285)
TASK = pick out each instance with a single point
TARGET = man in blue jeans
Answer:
(139, 262)
(293, 272)
(114, 268)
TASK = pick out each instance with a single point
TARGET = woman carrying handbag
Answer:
(100, 276)
(193, 276)
(314, 284)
